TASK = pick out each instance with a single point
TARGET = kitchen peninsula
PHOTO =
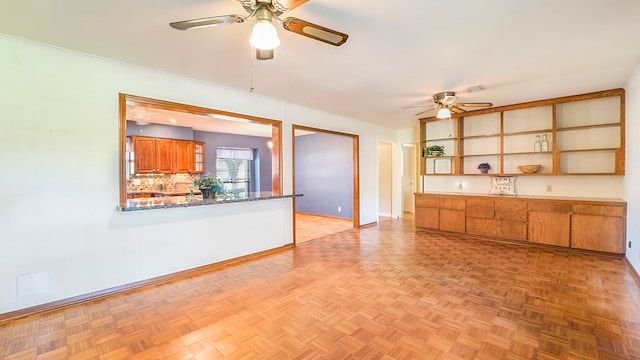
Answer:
(165, 202)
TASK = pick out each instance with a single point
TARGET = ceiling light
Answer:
(443, 113)
(173, 121)
(264, 34)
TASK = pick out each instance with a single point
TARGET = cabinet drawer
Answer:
(452, 203)
(511, 215)
(481, 212)
(602, 210)
(488, 202)
(427, 201)
(497, 228)
(511, 204)
(549, 207)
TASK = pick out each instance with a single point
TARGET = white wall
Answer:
(603, 187)
(632, 170)
(60, 232)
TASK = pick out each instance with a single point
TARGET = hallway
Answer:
(381, 292)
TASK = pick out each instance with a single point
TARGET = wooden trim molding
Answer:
(56, 305)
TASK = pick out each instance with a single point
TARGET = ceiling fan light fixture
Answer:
(264, 35)
(443, 113)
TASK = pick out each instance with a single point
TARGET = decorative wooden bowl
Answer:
(529, 169)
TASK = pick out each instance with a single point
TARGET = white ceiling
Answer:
(399, 53)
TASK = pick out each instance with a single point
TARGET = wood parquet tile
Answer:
(381, 292)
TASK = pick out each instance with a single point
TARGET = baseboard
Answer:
(59, 304)
(634, 273)
(325, 216)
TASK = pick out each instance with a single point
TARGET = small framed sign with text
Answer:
(503, 185)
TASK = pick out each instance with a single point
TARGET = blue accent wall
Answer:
(159, 131)
(324, 174)
(262, 155)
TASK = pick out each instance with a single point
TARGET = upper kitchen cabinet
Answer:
(572, 135)
(166, 156)
(152, 155)
(185, 156)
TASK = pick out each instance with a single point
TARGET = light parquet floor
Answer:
(310, 226)
(381, 292)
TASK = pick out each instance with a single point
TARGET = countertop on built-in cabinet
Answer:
(165, 202)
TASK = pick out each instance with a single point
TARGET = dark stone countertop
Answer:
(166, 202)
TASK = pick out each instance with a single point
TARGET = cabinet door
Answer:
(164, 155)
(549, 228)
(184, 156)
(427, 218)
(452, 220)
(600, 233)
(198, 153)
(144, 155)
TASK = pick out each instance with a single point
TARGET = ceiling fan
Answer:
(445, 104)
(265, 37)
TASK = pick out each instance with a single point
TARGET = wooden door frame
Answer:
(356, 170)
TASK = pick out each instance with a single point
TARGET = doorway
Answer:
(325, 171)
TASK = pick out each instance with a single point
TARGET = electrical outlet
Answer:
(136, 181)
(549, 188)
(459, 184)
(339, 209)
(629, 244)
(150, 181)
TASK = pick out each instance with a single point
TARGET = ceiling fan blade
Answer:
(204, 22)
(456, 110)
(264, 54)
(476, 104)
(292, 4)
(314, 31)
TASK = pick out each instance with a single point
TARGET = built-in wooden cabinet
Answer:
(152, 155)
(585, 136)
(597, 225)
(166, 156)
(501, 218)
(441, 213)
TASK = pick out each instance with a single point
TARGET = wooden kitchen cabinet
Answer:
(152, 155)
(184, 157)
(166, 156)
(597, 225)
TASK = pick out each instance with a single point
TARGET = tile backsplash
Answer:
(166, 183)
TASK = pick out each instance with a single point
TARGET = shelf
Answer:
(530, 132)
(440, 139)
(479, 155)
(587, 150)
(479, 136)
(588, 126)
(585, 134)
(529, 153)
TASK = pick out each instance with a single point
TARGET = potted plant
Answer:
(484, 167)
(434, 150)
(208, 186)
